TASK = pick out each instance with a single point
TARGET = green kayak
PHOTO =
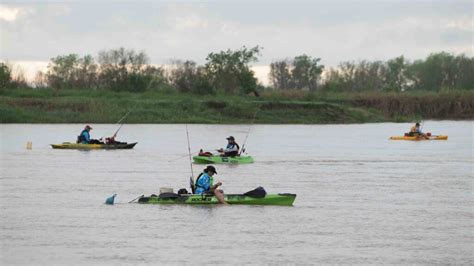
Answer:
(284, 199)
(221, 159)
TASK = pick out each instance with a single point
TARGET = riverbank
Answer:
(85, 106)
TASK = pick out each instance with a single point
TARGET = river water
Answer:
(362, 199)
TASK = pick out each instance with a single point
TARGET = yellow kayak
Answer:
(68, 145)
(438, 137)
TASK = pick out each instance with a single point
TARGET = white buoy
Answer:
(29, 145)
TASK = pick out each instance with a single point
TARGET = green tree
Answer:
(395, 77)
(229, 70)
(369, 75)
(306, 72)
(438, 71)
(86, 73)
(127, 70)
(183, 75)
(465, 72)
(358, 77)
(72, 71)
(62, 71)
(280, 76)
(334, 81)
(348, 75)
(5, 76)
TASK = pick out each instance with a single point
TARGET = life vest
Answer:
(413, 129)
(231, 145)
(81, 138)
(211, 182)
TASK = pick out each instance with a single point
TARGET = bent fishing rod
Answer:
(248, 132)
(118, 122)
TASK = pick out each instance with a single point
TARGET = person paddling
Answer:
(204, 184)
(85, 137)
(416, 131)
(232, 148)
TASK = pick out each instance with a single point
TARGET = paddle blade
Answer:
(110, 200)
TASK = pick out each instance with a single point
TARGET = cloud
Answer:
(465, 23)
(9, 14)
(334, 31)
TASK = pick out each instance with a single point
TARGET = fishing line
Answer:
(118, 122)
(248, 132)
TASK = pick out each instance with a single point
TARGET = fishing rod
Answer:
(248, 132)
(180, 157)
(136, 198)
(119, 122)
(190, 161)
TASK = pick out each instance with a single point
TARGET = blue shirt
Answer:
(203, 184)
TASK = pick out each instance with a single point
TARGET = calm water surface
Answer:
(362, 199)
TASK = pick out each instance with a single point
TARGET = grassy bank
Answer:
(77, 106)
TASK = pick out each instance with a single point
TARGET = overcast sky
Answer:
(335, 31)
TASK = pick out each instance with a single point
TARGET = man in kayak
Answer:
(416, 131)
(232, 148)
(204, 184)
(85, 137)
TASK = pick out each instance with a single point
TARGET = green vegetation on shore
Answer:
(291, 107)
(76, 89)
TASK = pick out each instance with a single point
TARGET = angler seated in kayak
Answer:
(416, 131)
(85, 137)
(204, 184)
(232, 148)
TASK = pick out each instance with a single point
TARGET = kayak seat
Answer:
(143, 200)
(258, 192)
(168, 195)
(183, 191)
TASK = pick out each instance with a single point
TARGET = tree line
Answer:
(230, 72)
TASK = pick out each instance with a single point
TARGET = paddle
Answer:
(135, 198)
(180, 157)
(110, 200)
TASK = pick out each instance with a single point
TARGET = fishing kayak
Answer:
(69, 145)
(438, 137)
(284, 199)
(221, 159)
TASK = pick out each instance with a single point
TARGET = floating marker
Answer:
(110, 200)
(29, 145)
